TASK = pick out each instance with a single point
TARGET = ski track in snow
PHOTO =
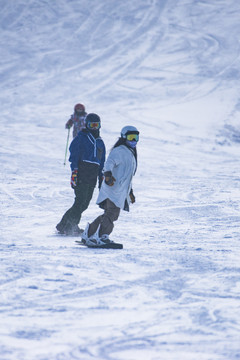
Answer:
(171, 68)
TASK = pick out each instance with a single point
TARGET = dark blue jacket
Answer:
(87, 154)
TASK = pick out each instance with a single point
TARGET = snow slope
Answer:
(170, 68)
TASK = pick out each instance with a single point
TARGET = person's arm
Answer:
(75, 153)
(100, 172)
(69, 123)
(112, 161)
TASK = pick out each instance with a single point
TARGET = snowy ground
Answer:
(171, 68)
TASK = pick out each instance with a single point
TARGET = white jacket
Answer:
(122, 163)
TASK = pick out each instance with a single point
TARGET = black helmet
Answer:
(93, 121)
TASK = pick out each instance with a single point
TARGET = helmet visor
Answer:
(132, 137)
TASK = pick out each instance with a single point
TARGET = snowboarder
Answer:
(87, 157)
(116, 191)
(77, 119)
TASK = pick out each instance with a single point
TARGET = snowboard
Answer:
(105, 246)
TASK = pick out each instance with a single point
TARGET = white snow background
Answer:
(172, 69)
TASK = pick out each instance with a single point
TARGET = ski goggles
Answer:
(132, 137)
(94, 125)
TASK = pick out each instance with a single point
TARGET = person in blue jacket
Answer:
(87, 157)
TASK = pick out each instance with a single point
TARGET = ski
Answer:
(105, 246)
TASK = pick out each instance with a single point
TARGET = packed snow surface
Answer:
(172, 69)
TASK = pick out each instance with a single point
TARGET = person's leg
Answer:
(83, 196)
(94, 226)
(111, 214)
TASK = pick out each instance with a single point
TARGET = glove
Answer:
(132, 197)
(74, 178)
(109, 179)
(69, 123)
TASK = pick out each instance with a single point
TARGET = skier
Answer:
(87, 157)
(116, 191)
(77, 119)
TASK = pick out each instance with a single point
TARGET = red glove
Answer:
(109, 179)
(74, 178)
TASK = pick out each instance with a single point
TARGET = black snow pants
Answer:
(72, 217)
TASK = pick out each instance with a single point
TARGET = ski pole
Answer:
(66, 147)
